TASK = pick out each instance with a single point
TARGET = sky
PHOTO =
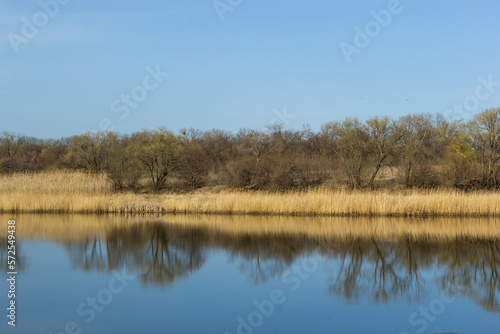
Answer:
(70, 66)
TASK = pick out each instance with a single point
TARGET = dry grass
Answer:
(78, 192)
(341, 203)
(66, 182)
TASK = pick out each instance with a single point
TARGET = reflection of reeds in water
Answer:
(342, 228)
(80, 227)
(78, 192)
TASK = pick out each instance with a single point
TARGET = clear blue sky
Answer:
(232, 73)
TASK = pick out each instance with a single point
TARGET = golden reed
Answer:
(80, 192)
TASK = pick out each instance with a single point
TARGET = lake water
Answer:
(213, 274)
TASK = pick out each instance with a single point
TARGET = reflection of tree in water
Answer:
(89, 255)
(171, 255)
(161, 252)
(472, 267)
(157, 252)
(379, 270)
(266, 256)
(382, 270)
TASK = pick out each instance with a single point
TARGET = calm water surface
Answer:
(109, 274)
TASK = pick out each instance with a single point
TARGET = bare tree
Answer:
(384, 137)
(10, 146)
(485, 132)
(350, 144)
(90, 150)
(417, 134)
(159, 151)
(195, 165)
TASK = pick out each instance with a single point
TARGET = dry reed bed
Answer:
(418, 203)
(79, 192)
(78, 228)
(55, 182)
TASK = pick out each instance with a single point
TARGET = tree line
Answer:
(418, 150)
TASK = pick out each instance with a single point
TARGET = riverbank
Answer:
(77, 192)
